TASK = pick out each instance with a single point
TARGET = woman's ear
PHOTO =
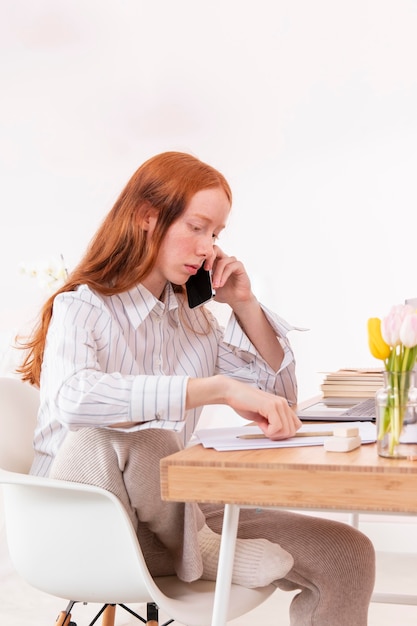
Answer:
(148, 220)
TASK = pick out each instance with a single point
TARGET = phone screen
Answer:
(199, 288)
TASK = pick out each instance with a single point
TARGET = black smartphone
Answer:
(199, 288)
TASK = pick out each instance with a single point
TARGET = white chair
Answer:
(76, 541)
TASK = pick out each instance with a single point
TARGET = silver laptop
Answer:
(343, 410)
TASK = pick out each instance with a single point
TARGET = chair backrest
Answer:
(46, 519)
(19, 403)
(73, 540)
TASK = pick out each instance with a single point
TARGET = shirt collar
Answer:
(139, 302)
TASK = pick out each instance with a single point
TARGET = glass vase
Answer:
(396, 416)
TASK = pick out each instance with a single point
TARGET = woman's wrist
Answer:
(209, 390)
(242, 308)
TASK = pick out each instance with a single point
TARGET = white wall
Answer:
(309, 108)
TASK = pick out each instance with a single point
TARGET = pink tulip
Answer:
(408, 331)
(391, 324)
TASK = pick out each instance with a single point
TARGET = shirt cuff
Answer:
(160, 398)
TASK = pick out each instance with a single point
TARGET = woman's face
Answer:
(189, 240)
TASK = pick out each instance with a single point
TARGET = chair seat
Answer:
(193, 602)
(76, 541)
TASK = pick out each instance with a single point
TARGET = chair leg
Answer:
(152, 614)
(64, 618)
(109, 615)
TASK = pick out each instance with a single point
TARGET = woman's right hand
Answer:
(272, 413)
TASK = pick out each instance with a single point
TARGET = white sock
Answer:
(258, 562)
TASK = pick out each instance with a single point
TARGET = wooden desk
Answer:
(307, 478)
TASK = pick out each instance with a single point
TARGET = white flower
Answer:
(51, 274)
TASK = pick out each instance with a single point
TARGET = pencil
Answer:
(320, 433)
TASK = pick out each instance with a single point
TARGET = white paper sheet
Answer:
(231, 438)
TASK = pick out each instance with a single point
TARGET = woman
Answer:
(125, 366)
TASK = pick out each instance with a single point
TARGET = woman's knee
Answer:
(83, 453)
(157, 443)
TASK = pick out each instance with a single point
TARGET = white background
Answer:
(308, 108)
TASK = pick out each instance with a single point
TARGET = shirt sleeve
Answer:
(82, 391)
(160, 398)
(238, 355)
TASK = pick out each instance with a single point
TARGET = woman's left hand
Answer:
(230, 279)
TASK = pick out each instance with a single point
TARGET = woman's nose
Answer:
(205, 247)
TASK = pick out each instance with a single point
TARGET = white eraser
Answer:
(342, 444)
(346, 431)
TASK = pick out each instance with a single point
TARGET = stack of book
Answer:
(352, 383)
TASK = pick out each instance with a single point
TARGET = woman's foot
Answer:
(257, 562)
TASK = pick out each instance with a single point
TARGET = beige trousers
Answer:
(334, 564)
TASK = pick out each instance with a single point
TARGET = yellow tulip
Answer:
(379, 349)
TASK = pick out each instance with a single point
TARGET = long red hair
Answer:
(120, 254)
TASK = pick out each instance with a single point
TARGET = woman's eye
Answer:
(195, 228)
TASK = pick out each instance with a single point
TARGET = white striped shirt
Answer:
(128, 357)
